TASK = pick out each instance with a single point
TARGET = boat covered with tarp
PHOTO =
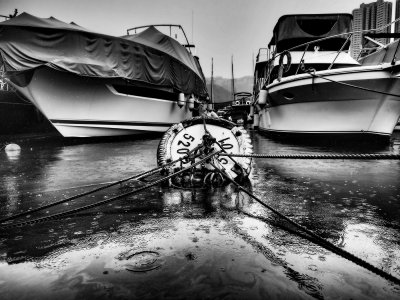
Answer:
(87, 83)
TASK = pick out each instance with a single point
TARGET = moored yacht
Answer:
(90, 84)
(309, 84)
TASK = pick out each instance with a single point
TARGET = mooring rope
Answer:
(324, 243)
(134, 177)
(220, 146)
(71, 211)
(318, 156)
(312, 73)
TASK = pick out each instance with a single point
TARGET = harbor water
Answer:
(205, 243)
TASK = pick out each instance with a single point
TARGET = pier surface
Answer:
(205, 243)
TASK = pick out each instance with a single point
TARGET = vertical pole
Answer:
(212, 83)
(192, 28)
(233, 83)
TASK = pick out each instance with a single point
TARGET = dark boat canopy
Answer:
(150, 57)
(294, 30)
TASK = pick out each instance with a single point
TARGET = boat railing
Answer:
(170, 26)
(368, 32)
(10, 16)
(273, 54)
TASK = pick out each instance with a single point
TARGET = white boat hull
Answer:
(301, 104)
(80, 106)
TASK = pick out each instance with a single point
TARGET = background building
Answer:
(371, 16)
(397, 15)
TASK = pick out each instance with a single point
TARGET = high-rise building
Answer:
(370, 16)
(397, 15)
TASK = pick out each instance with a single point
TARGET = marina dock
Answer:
(127, 173)
(212, 243)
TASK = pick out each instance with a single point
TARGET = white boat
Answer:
(323, 90)
(89, 84)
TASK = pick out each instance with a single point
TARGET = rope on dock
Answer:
(71, 211)
(320, 241)
(205, 157)
(134, 177)
(318, 156)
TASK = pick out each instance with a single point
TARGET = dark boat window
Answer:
(316, 27)
(145, 92)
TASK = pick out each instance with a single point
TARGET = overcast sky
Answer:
(221, 28)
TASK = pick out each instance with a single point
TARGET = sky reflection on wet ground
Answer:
(204, 243)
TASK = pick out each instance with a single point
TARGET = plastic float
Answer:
(191, 139)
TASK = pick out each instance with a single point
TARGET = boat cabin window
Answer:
(133, 90)
(316, 28)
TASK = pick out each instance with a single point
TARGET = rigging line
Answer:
(351, 85)
(13, 103)
(339, 35)
(317, 156)
(71, 211)
(333, 248)
(134, 177)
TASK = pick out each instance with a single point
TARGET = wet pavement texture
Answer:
(208, 243)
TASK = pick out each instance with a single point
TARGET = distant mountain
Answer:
(223, 87)
(220, 94)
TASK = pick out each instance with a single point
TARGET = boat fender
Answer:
(262, 97)
(256, 121)
(237, 102)
(191, 103)
(248, 102)
(181, 138)
(181, 100)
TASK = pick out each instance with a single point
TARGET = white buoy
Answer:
(181, 100)
(262, 97)
(12, 151)
(181, 139)
(12, 148)
(191, 103)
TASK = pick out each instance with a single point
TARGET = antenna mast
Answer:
(212, 83)
(233, 83)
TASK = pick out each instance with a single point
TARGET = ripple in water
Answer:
(142, 261)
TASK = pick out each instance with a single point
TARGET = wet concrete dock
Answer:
(198, 244)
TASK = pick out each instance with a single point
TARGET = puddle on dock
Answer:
(204, 243)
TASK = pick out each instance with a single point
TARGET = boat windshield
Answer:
(294, 30)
